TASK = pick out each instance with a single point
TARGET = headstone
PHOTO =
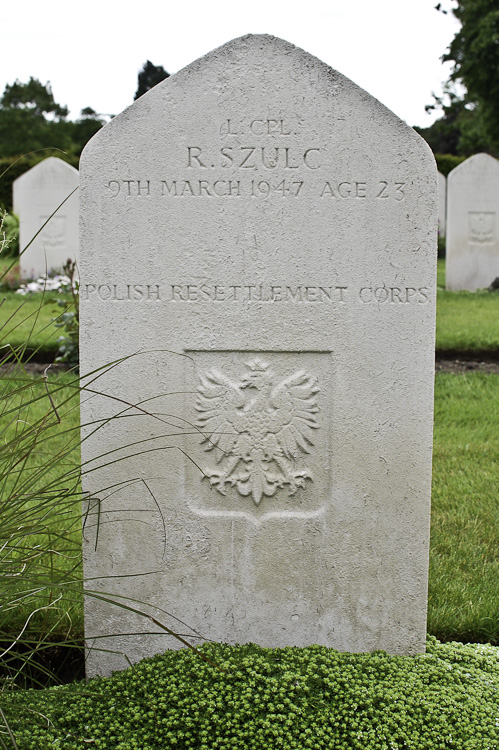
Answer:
(442, 204)
(37, 194)
(261, 234)
(472, 245)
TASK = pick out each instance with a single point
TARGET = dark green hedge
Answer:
(447, 162)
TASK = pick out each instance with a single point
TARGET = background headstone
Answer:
(275, 226)
(442, 204)
(36, 195)
(472, 244)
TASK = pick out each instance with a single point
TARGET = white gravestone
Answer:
(472, 244)
(442, 204)
(37, 194)
(274, 225)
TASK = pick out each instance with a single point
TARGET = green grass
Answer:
(464, 559)
(251, 698)
(40, 517)
(27, 321)
(441, 273)
(466, 321)
(464, 564)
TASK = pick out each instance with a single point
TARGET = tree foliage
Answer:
(149, 76)
(474, 51)
(31, 119)
(459, 130)
(470, 122)
(34, 97)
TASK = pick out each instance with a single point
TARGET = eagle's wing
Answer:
(295, 408)
(219, 403)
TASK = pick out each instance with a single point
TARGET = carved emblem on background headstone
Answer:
(482, 226)
(259, 428)
(54, 232)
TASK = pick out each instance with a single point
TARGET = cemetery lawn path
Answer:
(460, 366)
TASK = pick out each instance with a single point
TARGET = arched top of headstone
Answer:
(248, 71)
(478, 162)
(53, 169)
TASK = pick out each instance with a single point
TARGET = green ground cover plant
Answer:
(253, 698)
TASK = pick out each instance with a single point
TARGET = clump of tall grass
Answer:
(41, 583)
(40, 494)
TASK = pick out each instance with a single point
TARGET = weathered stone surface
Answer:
(442, 204)
(472, 245)
(262, 232)
(37, 194)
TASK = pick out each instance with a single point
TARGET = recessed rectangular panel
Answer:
(264, 421)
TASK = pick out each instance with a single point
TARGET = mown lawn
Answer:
(464, 557)
(40, 510)
(466, 321)
(464, 562)
(27, 323)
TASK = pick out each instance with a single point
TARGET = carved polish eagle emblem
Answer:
(482, 226)
(259, 429)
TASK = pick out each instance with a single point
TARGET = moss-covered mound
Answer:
(265, 699)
